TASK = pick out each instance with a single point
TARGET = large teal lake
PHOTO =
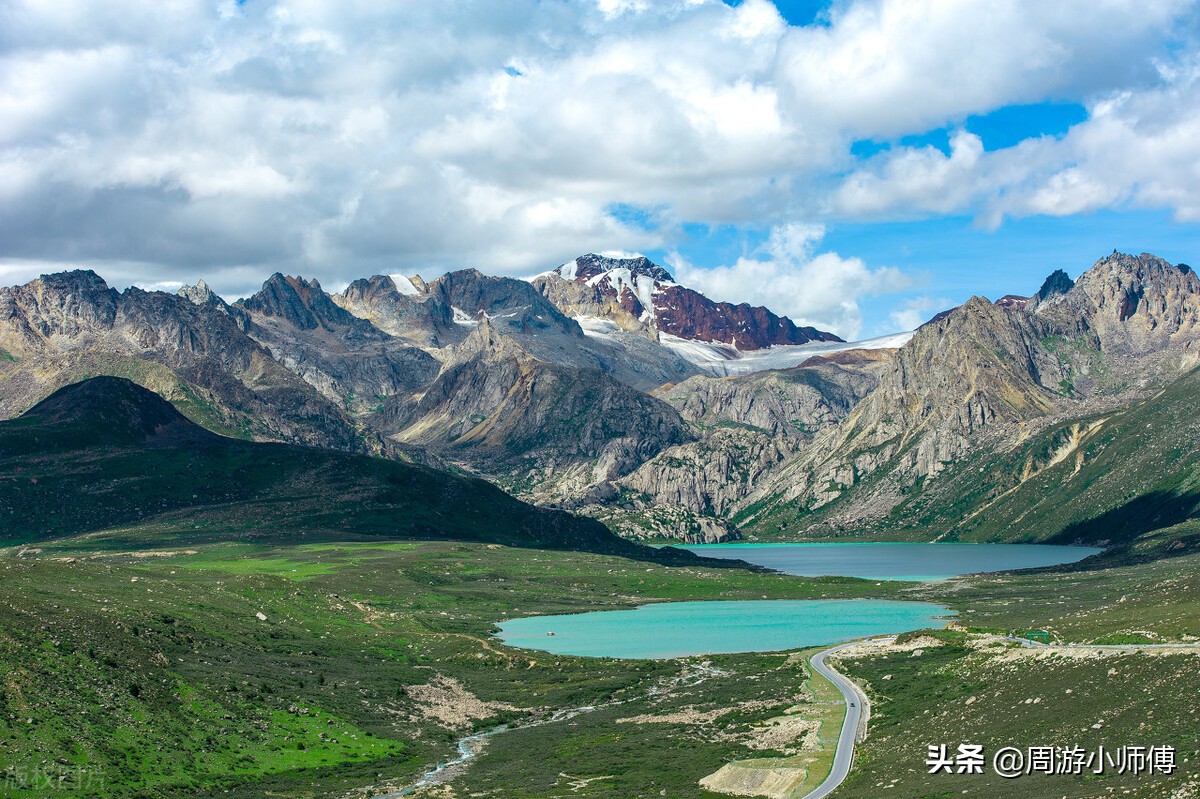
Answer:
(680, 629)
(892, 561)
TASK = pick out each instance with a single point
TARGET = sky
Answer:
(858, 165)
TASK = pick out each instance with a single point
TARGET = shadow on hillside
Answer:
(1124, 524)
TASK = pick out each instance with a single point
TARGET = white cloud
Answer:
(615, 8)
(885, 68)
(341, 138)
(1134, 149)
(916, 311)
(915, 180)
(822, 289)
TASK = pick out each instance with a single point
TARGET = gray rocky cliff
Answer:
(412, 315)
(64, 327)
(348, 360)
(980, 376)
(543, 429)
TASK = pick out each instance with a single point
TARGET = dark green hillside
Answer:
(1115, 479)
(1128, 479)
(106, 453)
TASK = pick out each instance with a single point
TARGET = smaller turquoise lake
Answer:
(895, 561)
(681, 629)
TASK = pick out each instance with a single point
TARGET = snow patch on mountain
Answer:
(722, 360)
(404, 285)
(461, 317)
(597, 326)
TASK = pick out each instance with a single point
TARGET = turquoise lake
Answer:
(680, 629)
(893, 561)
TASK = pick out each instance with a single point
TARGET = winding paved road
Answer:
(856, 701)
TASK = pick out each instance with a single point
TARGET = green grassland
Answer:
(954, 694)
(958, 693)
(154, 670)
(1157, 600)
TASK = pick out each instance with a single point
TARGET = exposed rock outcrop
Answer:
(641, 296)
(200, 294)
(411, 314)
(973, 379)
(1133, 305)
(347, 359)
(1057, 282)
(64, 327)
(549, 428)
(709, 476)
(791, 402)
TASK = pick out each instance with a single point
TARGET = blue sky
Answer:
(858, 165)
(952, 259)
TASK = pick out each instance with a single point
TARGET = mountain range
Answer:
(109, 458)
(606, 388)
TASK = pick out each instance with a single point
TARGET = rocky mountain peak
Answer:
(77, 280)
(488, 343)
(512, 305)
(401, 307)
(1012, 301)
(62, 303)
(1134, 304)
(302, 303)
(642, 297)
(587, 267)
(200, 294)
(370, 288)
(1058, 282)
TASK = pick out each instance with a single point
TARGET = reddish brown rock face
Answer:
(689, 314)
(683, 312)
(1012, 301)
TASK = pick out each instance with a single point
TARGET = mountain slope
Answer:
(107, 454)
(66, 327)
(983, 379)
(746, 427)
(519, 418)
(347, 359)
(639, 295)
(1115, 479)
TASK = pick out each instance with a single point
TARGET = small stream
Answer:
(470, 746)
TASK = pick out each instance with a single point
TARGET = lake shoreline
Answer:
(896, 560)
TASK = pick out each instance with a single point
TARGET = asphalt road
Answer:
(855, 699)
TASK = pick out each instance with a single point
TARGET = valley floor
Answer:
(317, 670)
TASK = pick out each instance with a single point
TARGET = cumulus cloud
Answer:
(819, 289)
(916, 311)
(1134, 149)
(890, 67)
(223, 140)
(915, 179)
